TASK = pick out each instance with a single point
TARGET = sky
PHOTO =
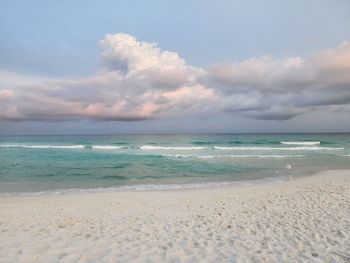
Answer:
(76, 67)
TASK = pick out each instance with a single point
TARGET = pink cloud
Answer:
(142, 81)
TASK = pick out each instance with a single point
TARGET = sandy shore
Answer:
(306, 220)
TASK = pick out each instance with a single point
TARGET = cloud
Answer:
(140, 81)
(147, 62)
(139, 56)
(267, 88)
(10, 79)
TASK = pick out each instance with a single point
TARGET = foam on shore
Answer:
(301, 143)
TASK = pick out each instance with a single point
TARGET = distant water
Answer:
(33, 164)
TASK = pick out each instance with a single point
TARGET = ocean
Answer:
(60, 164)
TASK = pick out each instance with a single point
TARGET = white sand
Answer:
(307, 220)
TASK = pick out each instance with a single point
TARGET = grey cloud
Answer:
(278, 113)
(291, 86)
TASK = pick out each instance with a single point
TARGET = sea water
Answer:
(58, 164)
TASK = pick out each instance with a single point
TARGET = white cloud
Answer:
(142, 81)
(137, 55)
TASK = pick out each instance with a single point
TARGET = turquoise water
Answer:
(32, 164)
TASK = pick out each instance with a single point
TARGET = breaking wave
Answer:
(301, 148)
(301, 143)
(42, 146)
(151, 147)
(107, 147)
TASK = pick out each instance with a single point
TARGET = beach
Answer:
(301, 220)
(174, 131)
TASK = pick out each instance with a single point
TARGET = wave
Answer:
(315, 148)
(42, 146)
(262, 148)
(114, 177)
(205, 142)
(148, 187)
(301, 143)
(234, 142)
(178, 148)
(150, 147)
(343, 155)
(251, 156)
(177, 155)
(107, 147)
(232, 156)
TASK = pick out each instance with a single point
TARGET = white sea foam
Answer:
(301, 143)
(232, 156)
(42, 146)
(240, 148)
(179, 148)
(250, 156)
(151, 147)
(343, 155)
(262, 148)
(148, 187)
(178, 155)
(106, 147)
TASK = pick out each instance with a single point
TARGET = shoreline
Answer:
(145, 188)
(306, 219)
(168, 187)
